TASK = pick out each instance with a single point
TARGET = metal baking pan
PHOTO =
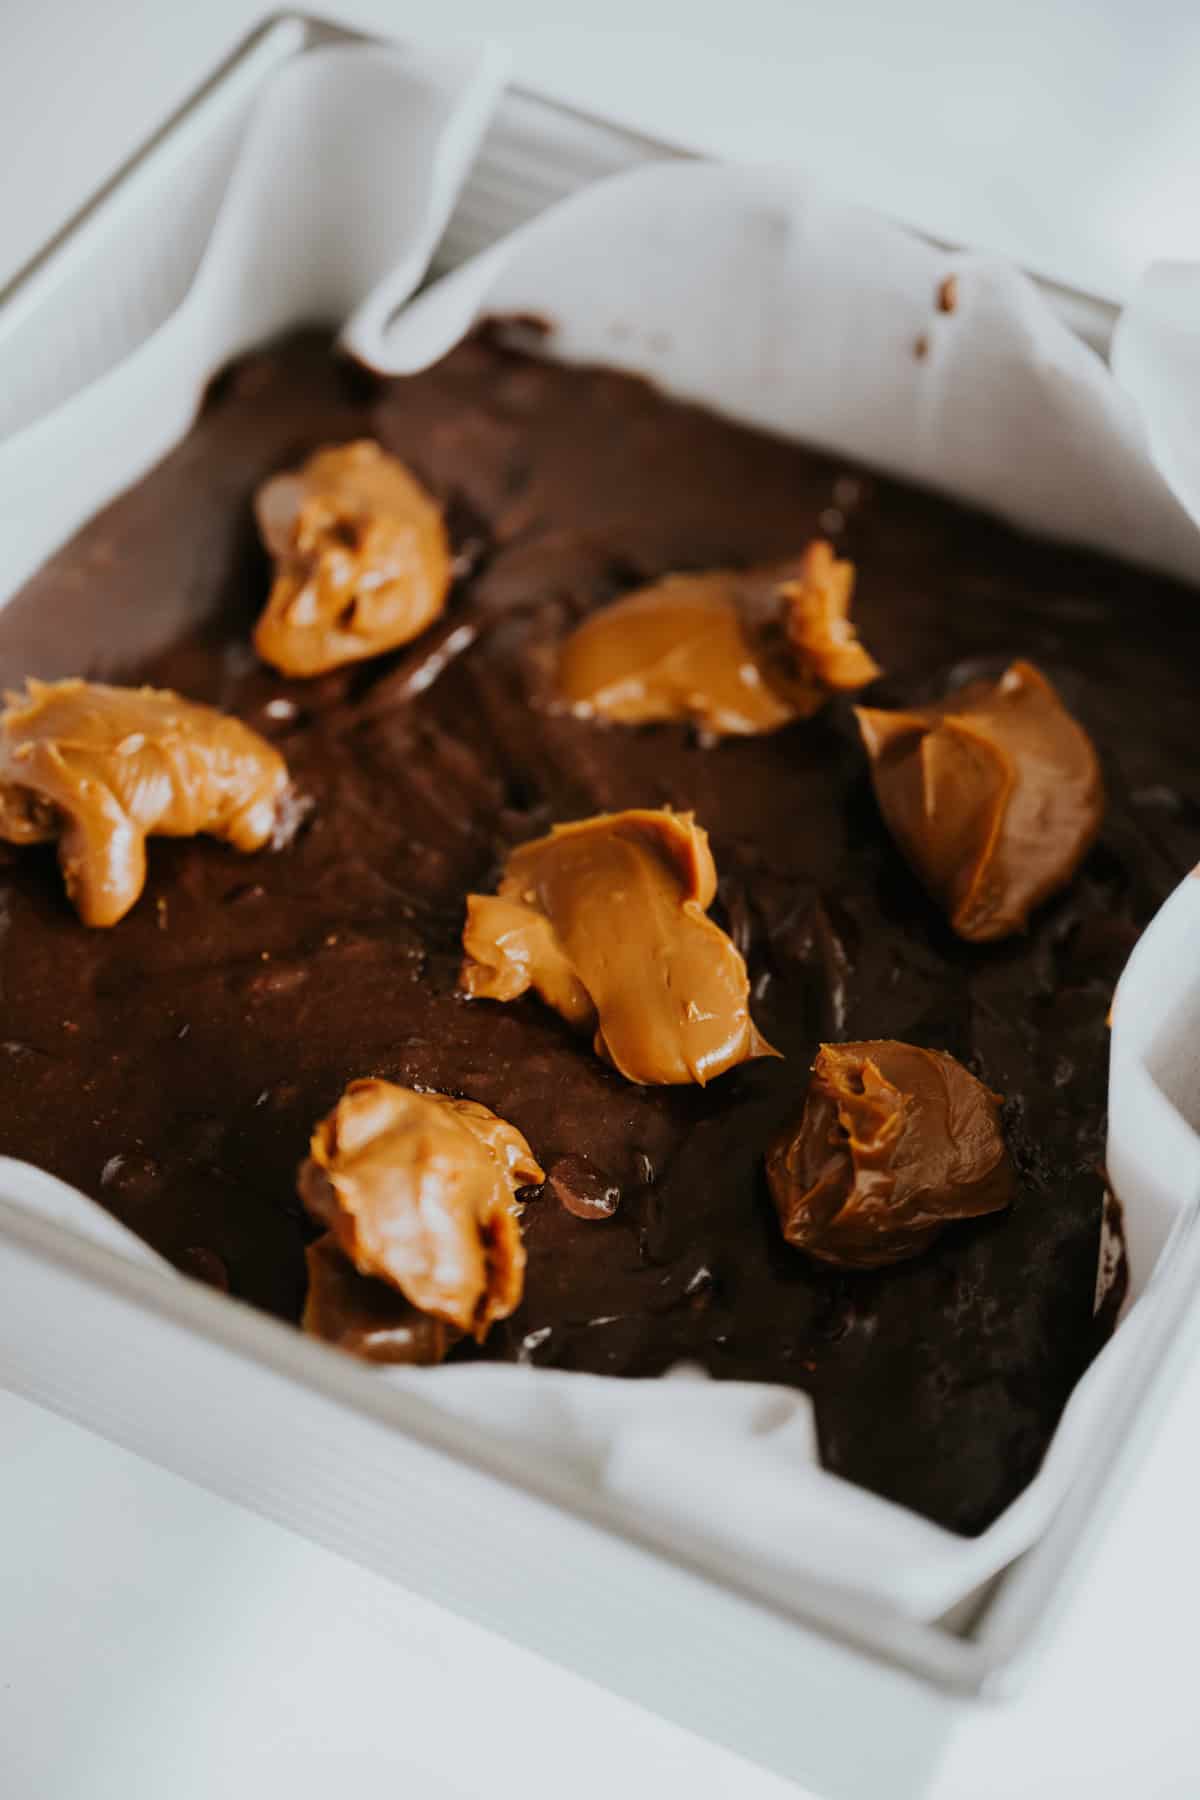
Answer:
(248, 1407)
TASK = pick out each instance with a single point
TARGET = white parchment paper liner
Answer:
(754, 292)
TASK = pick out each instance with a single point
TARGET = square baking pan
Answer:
(247, 1406)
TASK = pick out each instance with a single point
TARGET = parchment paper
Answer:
(757, 293)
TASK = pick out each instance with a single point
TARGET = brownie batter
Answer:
(174, 1066)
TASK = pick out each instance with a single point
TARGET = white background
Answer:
(158, 1644)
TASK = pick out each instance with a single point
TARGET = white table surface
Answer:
(159, 1644)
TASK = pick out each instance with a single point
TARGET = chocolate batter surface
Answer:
(174, 1066)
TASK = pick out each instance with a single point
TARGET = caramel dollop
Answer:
(607, 920)
(994, 795)
(362, 561)
(100, 769)
(734, 652)
(367, 1317)
(418, 1190)
(894, 1142)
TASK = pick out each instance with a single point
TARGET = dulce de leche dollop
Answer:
(362, 561)
(100, 769)
(994, 795)
(894, 1142)
(418, 1190)
(606, 919)
(734, 652)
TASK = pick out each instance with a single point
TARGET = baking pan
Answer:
(247, 1406)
